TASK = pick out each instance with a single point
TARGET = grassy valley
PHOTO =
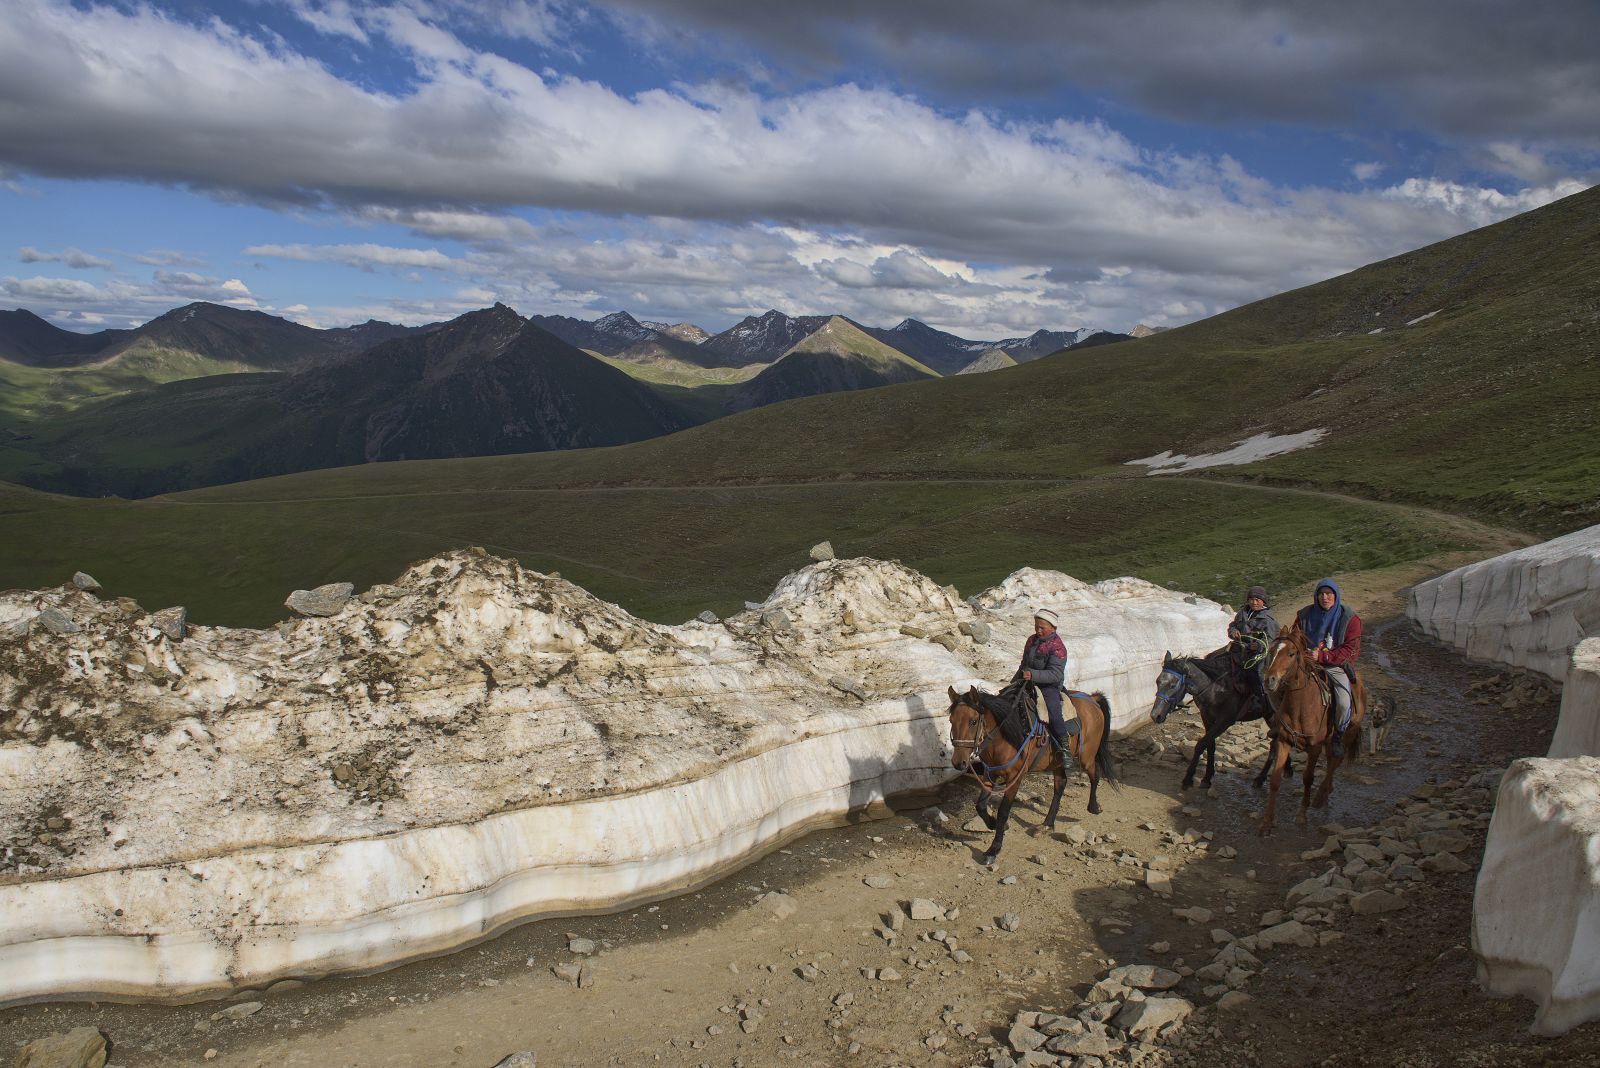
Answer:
(1459, 386)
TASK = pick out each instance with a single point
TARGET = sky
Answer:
(987, 168)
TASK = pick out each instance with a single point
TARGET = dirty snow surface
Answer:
(1526, 608)
(473, 745)
(1251, 449)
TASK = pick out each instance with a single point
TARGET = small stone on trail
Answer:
(888, 975)
(85, 582)
(923, 909)
(780, 906)
(879, 882)
(1233, 1001)
(822, 550)
(1159, 882)
(1023, 1038)
(1375, 901)
(1009, 880)
(1009, 922)
(1196, 914)
(81, 1047)
(583, 947)
(1444, 863)
(240, 1011)
(1145, 977)
(568, 970)
(1160, 947)
(520, 1059)
(327, 600)
(1192, 811)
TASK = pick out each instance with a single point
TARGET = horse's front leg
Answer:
(1211, 759)
(1321, 798)
(1277, 757)
(1194, 759)
(984, 797)
(1272, 755)
(1059, 769)
(1307, 778)
(1000, 825)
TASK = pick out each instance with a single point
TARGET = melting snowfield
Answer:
(1251, 449)
(472, 746)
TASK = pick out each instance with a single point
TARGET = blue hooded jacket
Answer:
(1325, 628)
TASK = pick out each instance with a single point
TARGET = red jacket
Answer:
(1346, 651)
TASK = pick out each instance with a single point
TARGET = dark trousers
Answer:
(1052, 704)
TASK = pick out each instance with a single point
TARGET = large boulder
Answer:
(81, 1047)
(328, 600)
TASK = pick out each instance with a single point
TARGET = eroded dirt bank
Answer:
(717, 978)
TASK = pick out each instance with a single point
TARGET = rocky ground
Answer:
(1162, 932)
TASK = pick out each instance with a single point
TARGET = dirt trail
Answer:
(672, 982)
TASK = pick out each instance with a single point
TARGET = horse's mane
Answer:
(1014, 725)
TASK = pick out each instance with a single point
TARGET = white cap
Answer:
(1046, 615)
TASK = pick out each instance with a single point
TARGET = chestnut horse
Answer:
(998, 742)
(1304, 718)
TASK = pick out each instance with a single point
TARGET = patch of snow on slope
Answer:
(1423, 318)
(1247, 451)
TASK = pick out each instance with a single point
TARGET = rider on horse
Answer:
(1334, 632)
(1044, 664)
(1254, 621)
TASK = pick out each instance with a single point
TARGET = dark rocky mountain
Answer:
(609, 334)
(214, 332)
(1101, 337)
(486, 383)
(27, 339)
(836, 357)
(1041, 343)
(682, 331)
(944, 352)
(761, 338)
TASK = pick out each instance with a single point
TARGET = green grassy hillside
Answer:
(1440, 435)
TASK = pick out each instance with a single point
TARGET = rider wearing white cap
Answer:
(1044, 664)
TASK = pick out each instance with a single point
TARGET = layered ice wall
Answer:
(475, 745)
(1536, 910)
(1524, 609)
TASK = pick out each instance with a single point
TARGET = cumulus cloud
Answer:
(365, 256)
(71, 257)
(712, 199)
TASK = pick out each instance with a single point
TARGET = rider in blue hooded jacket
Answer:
(1334, 633)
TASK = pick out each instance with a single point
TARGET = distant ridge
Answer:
(762, 338)
(1147, 331)
(837, 357)
(993, 360)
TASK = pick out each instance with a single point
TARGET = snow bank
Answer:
(1247, 451)
(470, 747)
(1527, 608)
(1536, 914)
(1578, 729)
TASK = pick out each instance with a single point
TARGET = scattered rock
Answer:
(923, 909)
(85, 582)
(1145, 977)
(520, 1059)
(1288, 933)
(1195, 914)
(777, 621)
(888, 975)
(978, 631)
(81, 1047)
(1444, 863)
(879, 882)
(779, 906)
(327, 600)
(949, 641)
(1233, 1001)
(1009, 922)
(57, 622)
(568, 970)
(708, 616)
(1376, 901)
(583, 947)
(1159, 881)
(1082, 1045)
(173, 622)
(822, 550)
(1023, 1038)
(913, 632)
(839, 682)
(1151, 1015)
(239, 1011)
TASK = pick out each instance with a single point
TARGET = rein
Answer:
(987, 775)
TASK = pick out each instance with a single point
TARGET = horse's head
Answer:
(966, 724)
(1283, 658)
(1171, 687)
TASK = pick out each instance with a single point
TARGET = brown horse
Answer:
(1303, 717)
(994, 742)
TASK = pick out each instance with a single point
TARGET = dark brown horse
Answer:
(998, 742)
(1304, 718)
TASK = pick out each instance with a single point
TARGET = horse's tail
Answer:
(1102, 757)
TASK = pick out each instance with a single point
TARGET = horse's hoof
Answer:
(987, 860)
(1094, 810)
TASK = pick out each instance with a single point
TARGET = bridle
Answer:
(975, 765)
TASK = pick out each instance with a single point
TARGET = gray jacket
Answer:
(1248, 622)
